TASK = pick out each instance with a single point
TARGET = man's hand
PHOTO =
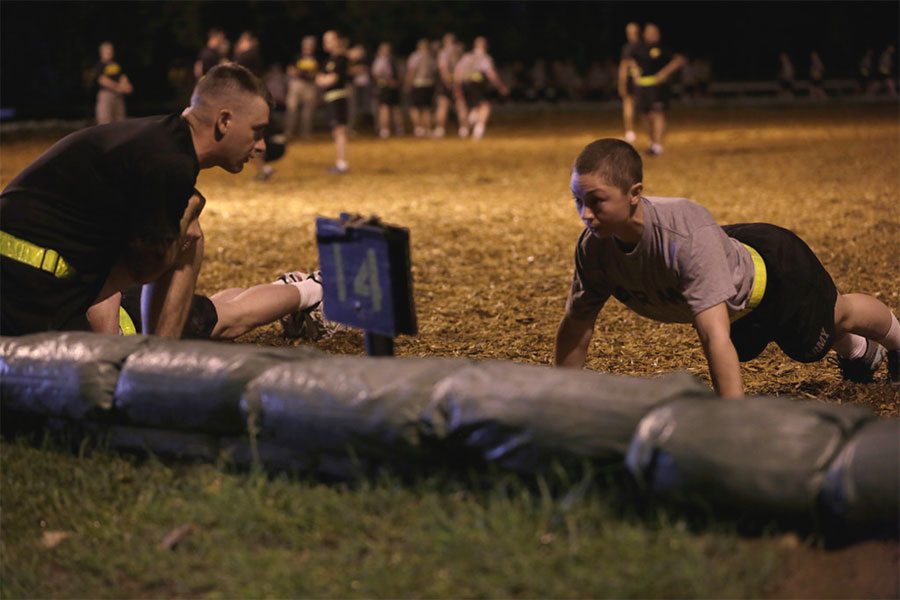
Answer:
(714, 330)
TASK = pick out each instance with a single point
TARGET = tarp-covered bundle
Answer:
(298, 408)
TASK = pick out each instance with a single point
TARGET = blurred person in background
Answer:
(386, 70)
(627, 76)
(816, 77)
(360, 83)
(212, 53)
(785, 76)
(864, 72)
(886, 71)
(302, 92)
(333, 81)
(247, 53)
(112, 87)
(447, 57)
(655, 64)
(421, 76)
(474, 71)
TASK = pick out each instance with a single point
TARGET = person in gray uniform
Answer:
(112, 87)
(386, 70)
(473, 72)
(741, 286)
(421, 76)
(447, 57)
(626, 78)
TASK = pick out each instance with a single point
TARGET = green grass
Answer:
(278, 536)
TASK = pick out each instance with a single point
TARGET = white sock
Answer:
(851, 346)
(310, 293)
(891, 341)
(341, 164)
(478, 131)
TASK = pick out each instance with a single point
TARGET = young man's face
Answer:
(243, 136)
(605, 209)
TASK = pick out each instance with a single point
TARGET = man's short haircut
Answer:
(614, 161)
(230, 78)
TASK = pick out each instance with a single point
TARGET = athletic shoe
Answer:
(265, 173)
(336, 170)
(384, 134)
(630, 137)
(862, 369)
(478, 131)
(419, 132)
(463, 132)
(438, 132)
(893, 367)
(310, 323)
(655, 150)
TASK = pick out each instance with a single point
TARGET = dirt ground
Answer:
(493, 229)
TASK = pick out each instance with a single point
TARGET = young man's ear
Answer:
(636, 190)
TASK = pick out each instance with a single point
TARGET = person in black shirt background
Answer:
(112, 206)
(333, 81)
(655, 63)
(112, 87)
(211, 54)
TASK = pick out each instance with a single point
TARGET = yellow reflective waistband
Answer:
(333, 95)
(647, 80)
(422, 82)
(759, 284)
(35, 256)
(126, 325)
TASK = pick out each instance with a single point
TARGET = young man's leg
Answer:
(416, 118)
(483, 112)
(440, 116)
(628, 117)
(242, 310)
(657, 120)
(863, 326)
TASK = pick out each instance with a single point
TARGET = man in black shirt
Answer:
(113, 206)
(112, 87)
(211, 54)
(333, 81)
(654, 64)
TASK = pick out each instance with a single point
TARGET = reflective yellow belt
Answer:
(337, 94)
(35, 256)
(647, 80)
(126, 325)
(759, 284)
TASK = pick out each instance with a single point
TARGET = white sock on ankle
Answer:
(310, 293)
(851, 346)
(891, 341)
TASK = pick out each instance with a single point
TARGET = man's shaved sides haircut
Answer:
(614, 161)
(225, 80)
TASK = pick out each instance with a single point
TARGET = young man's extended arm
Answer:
(714, 330)
(676, 63)
(573, 338)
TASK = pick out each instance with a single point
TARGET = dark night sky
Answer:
(45, 46)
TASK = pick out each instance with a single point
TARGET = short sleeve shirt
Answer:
(95, 190)
(651, 58)
(629, 49)
(683, 264)
(422, 67)
(208, 58)
(337, 65)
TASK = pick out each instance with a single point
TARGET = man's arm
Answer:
(498, 83)
(573, 338)
(108, 83)
(624, 67)
(714, 330)
(326, 79)
(676, 63)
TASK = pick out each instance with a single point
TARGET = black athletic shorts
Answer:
(422, 96)
(33, 300)
(337, 112)
(651, 97)
(797, 310)
(389, 96)
(201, 320)
(442, 90)
(630, 87)
(474, 92)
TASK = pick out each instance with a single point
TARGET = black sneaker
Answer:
(893, 367)
(862, 369)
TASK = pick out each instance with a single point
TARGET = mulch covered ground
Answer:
(493, 227)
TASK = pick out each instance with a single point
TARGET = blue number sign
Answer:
(367, 282)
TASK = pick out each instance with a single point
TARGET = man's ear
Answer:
(223, 122)
(636, 191)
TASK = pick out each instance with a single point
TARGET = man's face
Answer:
(651, 34)
(242, 138)
(329, 41)
(603, 208)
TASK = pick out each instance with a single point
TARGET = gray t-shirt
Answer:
(422, 68)
(683, 264)
(473, 66)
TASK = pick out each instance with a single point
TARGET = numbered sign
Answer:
(367, 281)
